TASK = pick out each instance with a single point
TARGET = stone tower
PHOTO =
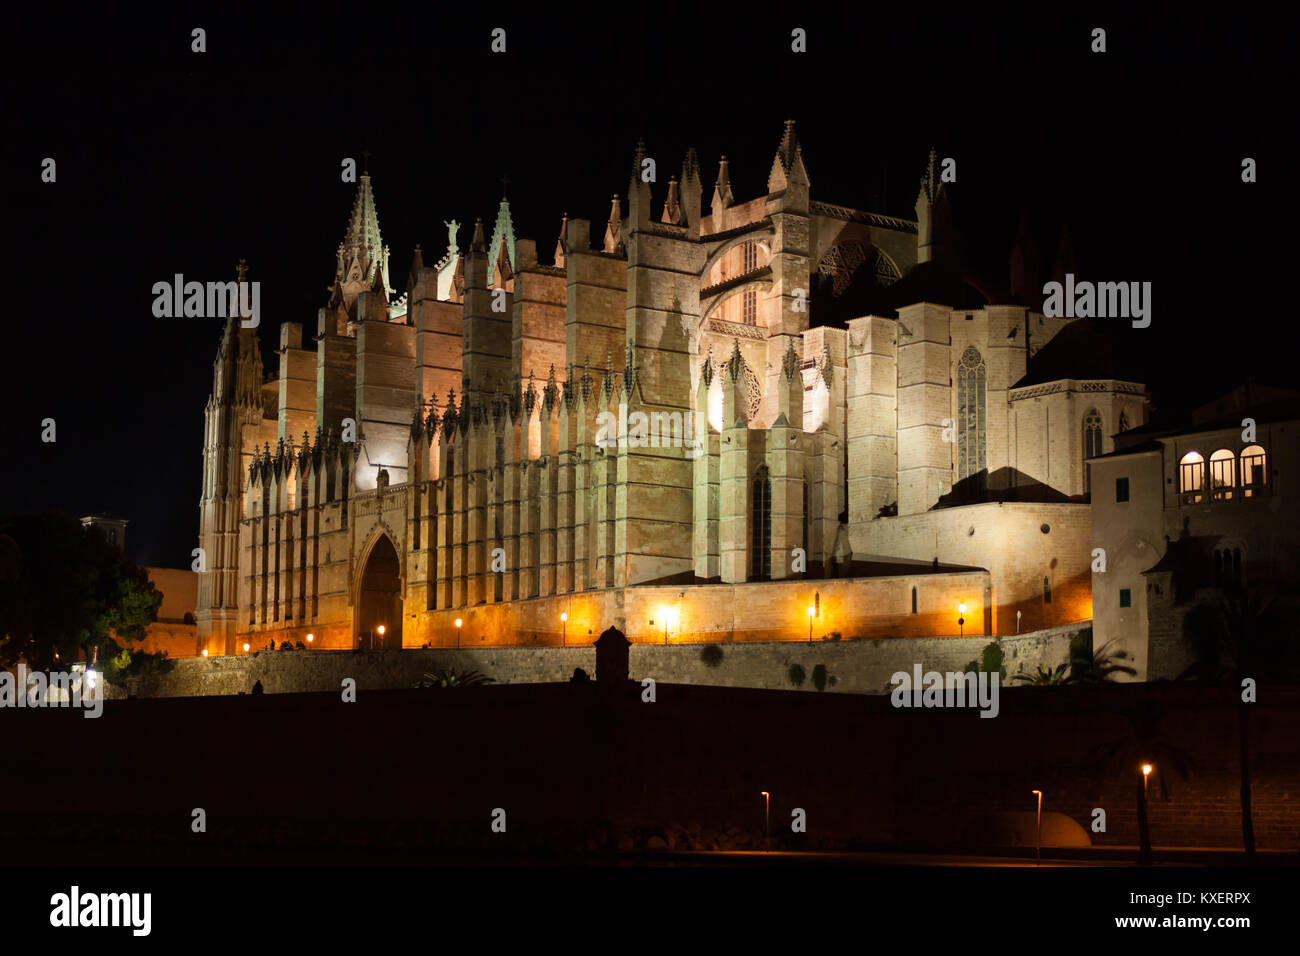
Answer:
(231, 422)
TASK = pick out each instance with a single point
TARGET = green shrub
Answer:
(711, 655)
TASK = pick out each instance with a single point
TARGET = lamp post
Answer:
(245, 647)
(310, 638)
(564, 628)
(458, 623)
(1146, 775)
(1038, 839)
(380, 631)
(767, 815)
(810, 619)
(961, 619)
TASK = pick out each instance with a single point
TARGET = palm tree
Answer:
(1143, 745)
(1099, 666)
(1240, 637)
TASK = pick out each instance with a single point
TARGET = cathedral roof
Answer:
(1084, 349)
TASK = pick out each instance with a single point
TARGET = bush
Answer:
(796, 675)
(711, 655)
(990, 661)
(833, 636)
(286, 646)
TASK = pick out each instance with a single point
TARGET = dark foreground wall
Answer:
(306, 776)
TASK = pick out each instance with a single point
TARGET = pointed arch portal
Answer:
(380, 600)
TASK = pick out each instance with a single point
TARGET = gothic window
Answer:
(805, 516)
(749, 307)
(761, 528)
(1227, 569)
(1253, 471)
(913, 600)
(1223, 474)
(748, 257)
(1091, 444)
(1191, 477)
(971, 423)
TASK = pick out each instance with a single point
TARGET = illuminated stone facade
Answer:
(687, 429)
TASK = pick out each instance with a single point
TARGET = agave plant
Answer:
(449, 678)
(1044, 677)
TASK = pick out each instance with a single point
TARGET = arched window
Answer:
(971, 423)
(1223, 474)
(748, 256)
(914, 600)
(1191, 477)
(749, 307)
(1091, 444)
(760, 559)
(1254, 473)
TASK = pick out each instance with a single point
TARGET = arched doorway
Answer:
(379, 603)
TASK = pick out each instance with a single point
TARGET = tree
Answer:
(1144, 745)
(1243, 635)
(65, 593)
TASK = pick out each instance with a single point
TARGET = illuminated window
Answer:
(1125, 597)
(971, 428)
(1091, 444)
(748, 257)
(1223, 474)
(1191, 477)
(761, 530)
(1253, 471)
(1121, 489)
(749, 307)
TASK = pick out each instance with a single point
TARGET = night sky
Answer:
(170, 161)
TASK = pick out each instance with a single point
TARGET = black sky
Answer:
(170, 161)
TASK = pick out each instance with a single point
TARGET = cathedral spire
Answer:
(560, 248)
(672, 205)
(614, 228)
(503, 229)
(362, 256)
(787, 166)
(722, 197)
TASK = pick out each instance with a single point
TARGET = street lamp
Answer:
(458, 623)
(205, 652)
(961, 619)
(767, 807)
(670, 620)
(310, 638)
(1146, 775)
(811, 611)
(564, 627)
(1038, 840)
(246, 647)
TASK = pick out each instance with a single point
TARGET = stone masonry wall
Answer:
(859, 667)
